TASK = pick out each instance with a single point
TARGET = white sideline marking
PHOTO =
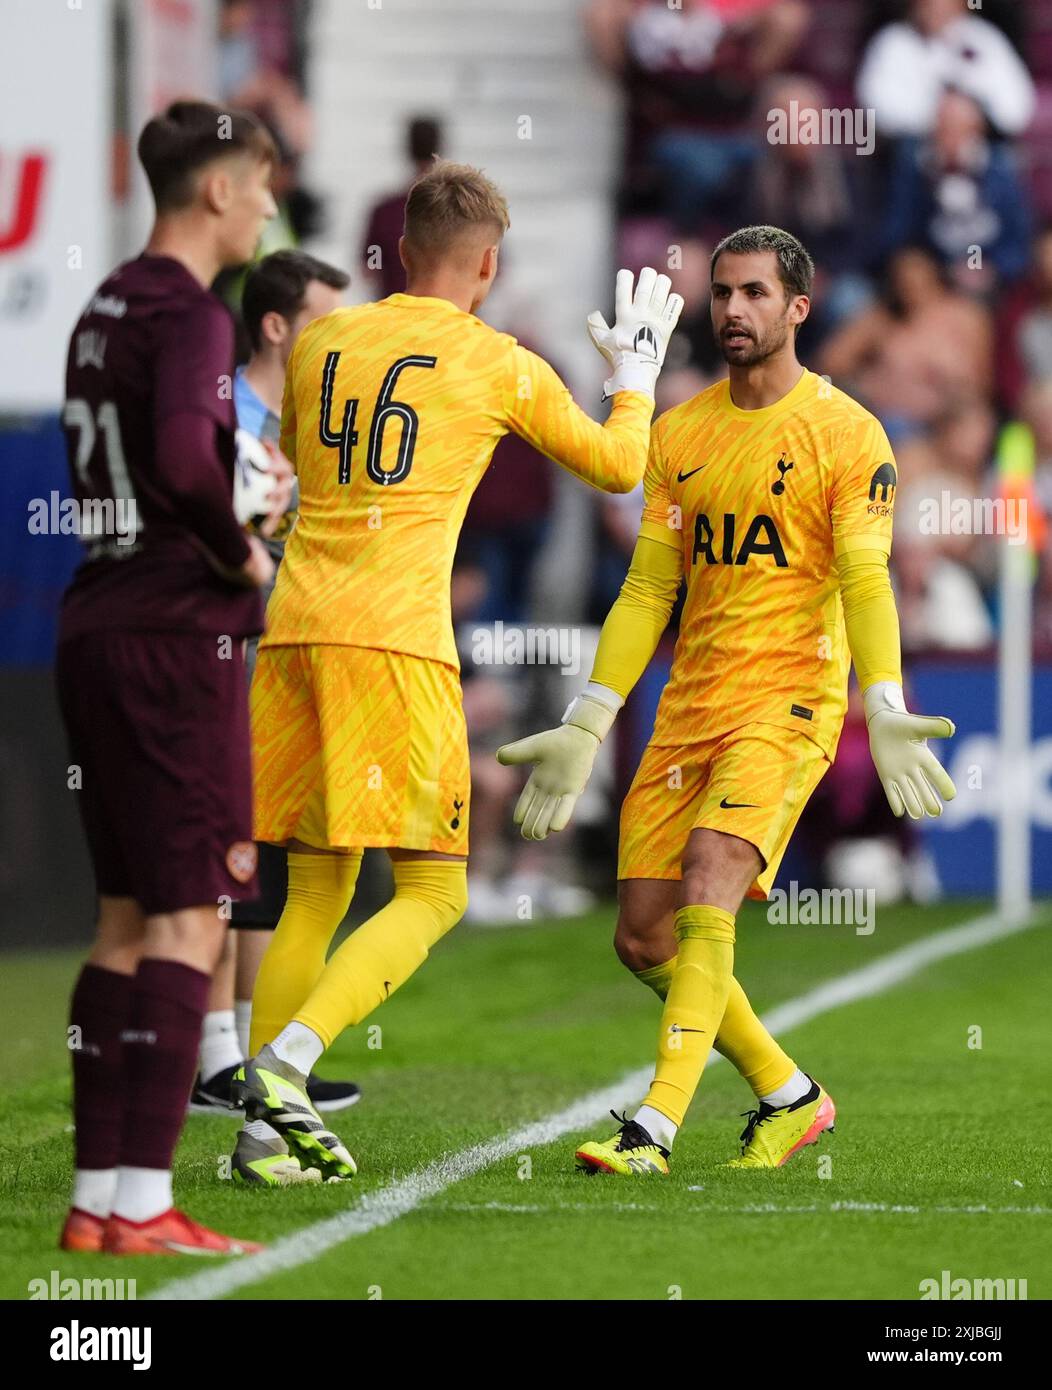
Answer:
(738, 1209)
(386, 1204)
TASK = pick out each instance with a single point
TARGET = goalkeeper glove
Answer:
(912, 776)
(562, 761)
(643, 323)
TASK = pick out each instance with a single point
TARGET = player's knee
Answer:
(196, 936)
(119, 934)
(439, 884)
(123, 959)
(635, 946)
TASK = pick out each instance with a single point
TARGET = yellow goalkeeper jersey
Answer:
(760, 503)
(390, 417)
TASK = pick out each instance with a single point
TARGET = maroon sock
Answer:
(161, 1044)
(99, 1013)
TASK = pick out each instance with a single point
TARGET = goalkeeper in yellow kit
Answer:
(391, 414)
(771, 495)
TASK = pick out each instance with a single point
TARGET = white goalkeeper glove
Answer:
(643, 323)
(911, 774)
(562, 759)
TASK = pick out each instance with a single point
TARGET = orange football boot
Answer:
(82, 1231)
(171, 1233)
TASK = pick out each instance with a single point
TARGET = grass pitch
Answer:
(939, 1160)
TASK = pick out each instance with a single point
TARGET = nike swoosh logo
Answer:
(682, 477)
(726, 805)
(675, 1028)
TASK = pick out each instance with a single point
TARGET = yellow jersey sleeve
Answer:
(870, 616)
(287, 433)
(863, 491)
(638, 617)
(662, 518)
(539, 408)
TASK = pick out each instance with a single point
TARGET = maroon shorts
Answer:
(158, 726)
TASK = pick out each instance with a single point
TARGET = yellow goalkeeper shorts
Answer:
(753, 783)
(356, 748)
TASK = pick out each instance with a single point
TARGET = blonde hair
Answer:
(447, 202)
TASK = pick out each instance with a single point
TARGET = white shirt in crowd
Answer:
(904, 72)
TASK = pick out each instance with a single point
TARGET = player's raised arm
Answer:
(914, 780)
(563, 757)
(611, 456)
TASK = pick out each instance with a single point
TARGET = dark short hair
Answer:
(190, 134)
(796, 269)
(278, 285)
(423, 138)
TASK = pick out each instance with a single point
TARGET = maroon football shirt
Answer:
(149, 421)
(386, 224)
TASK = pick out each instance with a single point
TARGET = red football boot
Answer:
(171, 1233)
(82, 1231)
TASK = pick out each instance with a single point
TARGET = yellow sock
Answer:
(742, 1038)
(658, 977)
(321, 887)
(744, 1041)
(430, 897)
(694, 1007)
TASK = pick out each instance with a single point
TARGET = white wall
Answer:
(494, 71)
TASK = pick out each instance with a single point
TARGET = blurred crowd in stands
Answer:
(928, 212)
(931, 228)
(925, 223)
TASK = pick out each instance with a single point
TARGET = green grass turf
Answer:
(502, 1027)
